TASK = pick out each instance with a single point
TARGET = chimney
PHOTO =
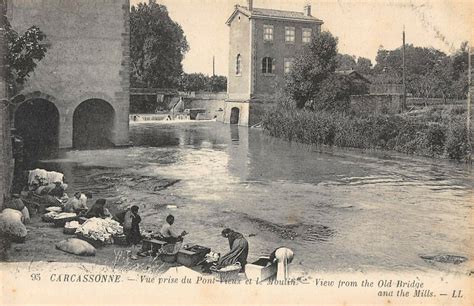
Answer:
(250, 5)
(307, 10)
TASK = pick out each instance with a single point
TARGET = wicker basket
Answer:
(69, 230)
(169, 252)
(120, 240)
(61, 222)
(228, 275)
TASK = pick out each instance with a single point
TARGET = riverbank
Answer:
(42, 238)
(321, 204)
(438, 133)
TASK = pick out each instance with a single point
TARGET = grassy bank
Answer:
(439, 133)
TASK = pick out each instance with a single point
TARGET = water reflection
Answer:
(338, 209)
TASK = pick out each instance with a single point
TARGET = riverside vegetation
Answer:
(434, 132)
(314, 105)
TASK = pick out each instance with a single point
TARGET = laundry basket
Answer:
(228, 273)
(169, 252)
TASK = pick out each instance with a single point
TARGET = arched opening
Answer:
(37, 123)
(234, 115)
(92, 125)
(238, 69)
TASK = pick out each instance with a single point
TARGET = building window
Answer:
(238, 69)
(307, 36)
(289, 34)
(268, 33)
(288, 64)
(268, 65)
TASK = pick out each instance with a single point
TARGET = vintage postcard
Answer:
(236, 152)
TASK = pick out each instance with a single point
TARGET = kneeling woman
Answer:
(239, 249)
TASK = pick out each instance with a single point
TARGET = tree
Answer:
(333, 95)
(460, 72)
(430, 73)
(217, 83)
(351, 62)
(157, 47)
(311, 67)
(24, 51)
(192, 82)
(460, 60)
(345, 61)
(418, 60)
(364, 66)
(201, 82)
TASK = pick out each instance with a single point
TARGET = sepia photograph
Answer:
(236, 152)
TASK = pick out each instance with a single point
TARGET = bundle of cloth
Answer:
(44, 182)
(72, 224)
(100, 229)
(11, 225)
(42, 177)
(54, 215)
(17, 204)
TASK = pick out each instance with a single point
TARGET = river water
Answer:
(339, 210)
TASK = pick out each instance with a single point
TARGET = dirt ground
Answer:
(42, 238)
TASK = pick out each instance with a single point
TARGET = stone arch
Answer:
(19, 99)
(36, 120)
(93, 124)
(234, 115)
(89, 95)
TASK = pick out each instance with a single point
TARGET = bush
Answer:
(456, 140)
(388, 132)
(435, 138)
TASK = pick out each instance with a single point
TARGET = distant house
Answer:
(262, 46)
(360, 83)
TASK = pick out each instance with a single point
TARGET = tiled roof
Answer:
(277, 14)
(353, 73)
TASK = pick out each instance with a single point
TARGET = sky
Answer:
(362, 26)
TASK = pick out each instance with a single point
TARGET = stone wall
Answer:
(214, 108)
(211, 102)
(88, 57)
(6, 161)
(244, 112)
(411, 101)
(387, 89)
(378, 104)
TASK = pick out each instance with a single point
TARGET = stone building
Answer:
(78, 95)
(263, 44)
(6, 160)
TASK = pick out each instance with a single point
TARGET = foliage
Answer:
(350, 62)
(430, 73)
(333, 95)
(193, 82)
(217, 83)
(312, 66)
(345, 61)
(24, 52)
(157, 47)
(420, 136)
(456, 140)
(200, 82)
(312, 82)
(364, 66)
